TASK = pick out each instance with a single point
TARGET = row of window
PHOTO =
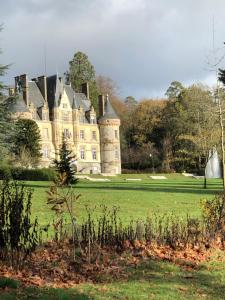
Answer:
(46, 153)
(93, 135)
(94, 153)
(83, 154)
(66, 116)
(67, 134)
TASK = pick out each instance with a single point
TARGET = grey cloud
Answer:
(143, 45)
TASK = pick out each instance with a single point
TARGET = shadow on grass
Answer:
(187, 188)
(10, 292)
(169, 279)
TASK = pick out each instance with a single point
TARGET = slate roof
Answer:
(34, 95)
(18, 105)
(84, 102)
(109, 111)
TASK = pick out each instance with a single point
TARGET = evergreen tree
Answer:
(26, 141)
(64, 166)
(81, 71)
(5, 125)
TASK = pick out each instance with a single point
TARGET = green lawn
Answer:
(150, 280)
(136, 199)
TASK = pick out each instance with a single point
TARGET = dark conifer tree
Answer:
(27, 139)
(65, 164)
(80, 71)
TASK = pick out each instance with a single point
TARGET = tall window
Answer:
(94, 154)
(116, 134)
(45, 133)
(67, 133)
(116, 153)
(82, 134)
(94, 136)
(45, 152)
(64, 105)
(82, 153)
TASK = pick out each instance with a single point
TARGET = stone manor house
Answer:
(58, 110)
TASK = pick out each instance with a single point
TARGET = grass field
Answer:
(136, 199)
(152, 279)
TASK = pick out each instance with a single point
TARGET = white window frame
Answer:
(82, 153)
(45, 152)
(82, 134)
(94, 153)
(94, 135)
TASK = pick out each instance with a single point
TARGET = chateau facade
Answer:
(58, 111)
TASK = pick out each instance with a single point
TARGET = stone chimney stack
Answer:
(85, 89)
(21, 83)
(42, 84)
(101, 105)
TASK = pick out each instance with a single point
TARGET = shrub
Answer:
(18, 235)
(5, 171)
(44, 174)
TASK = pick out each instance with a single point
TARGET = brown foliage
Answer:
(51, 264)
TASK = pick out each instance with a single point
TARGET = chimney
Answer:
(85, 89)
(42, 84)
(21, 83)
(101, 105)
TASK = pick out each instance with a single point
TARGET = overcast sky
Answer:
(143, 45)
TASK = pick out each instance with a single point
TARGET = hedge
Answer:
(44, 174)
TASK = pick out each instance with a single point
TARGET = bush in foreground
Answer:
(44, 174)
(18, 235)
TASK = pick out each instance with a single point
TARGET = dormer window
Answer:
(82, 118)
(65, 116)
(92, 120)
(44, 116)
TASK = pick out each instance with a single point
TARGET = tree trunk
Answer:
(221, 134)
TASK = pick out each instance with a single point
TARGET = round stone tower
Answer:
(109, 124)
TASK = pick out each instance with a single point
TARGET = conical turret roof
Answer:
(109, 111)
